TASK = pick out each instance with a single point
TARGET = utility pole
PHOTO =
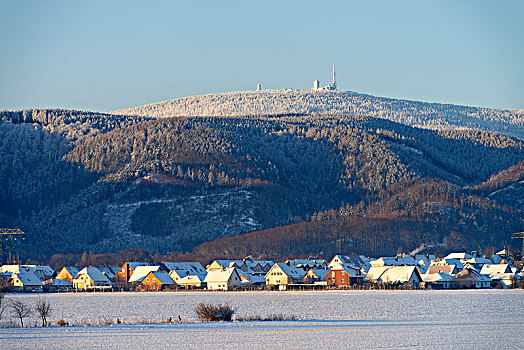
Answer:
(6, 233)
(519, 235)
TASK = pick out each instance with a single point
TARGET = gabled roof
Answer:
(72, 270)
(472, 274)
(399, 274)
(492, 269)
(162, 276)
(141, 272)
(194, 268)
(28, 279)
(447, 269)
(437, 277)
(459, 265)
(108, 271)
(319, 273)
(191, 279)
(357, 260)
(46, 269)
(94, 273)
(290, 271)
(250, 278)
(478, 260)
(307, 262)
(220, 275)
(375, 272)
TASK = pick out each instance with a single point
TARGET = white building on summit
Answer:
(333, 86)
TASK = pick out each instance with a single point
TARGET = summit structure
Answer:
(332, 86)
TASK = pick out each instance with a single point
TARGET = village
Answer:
(420, 271)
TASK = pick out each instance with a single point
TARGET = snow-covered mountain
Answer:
(267, 102)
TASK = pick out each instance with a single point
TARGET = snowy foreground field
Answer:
(490, 319)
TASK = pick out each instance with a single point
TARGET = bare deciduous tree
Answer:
(20, 310)
(43, 308)
(3, 305)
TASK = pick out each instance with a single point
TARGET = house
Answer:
(251, 279)
(355, 260)
(226, 279)
(190, 282)
(282, 274)
(141, 272)
(504, 280)
(471, 278)
(156, 281)
(57, 285)
(375, 272)
(126, 271)
(25, 282)
(402, 275)
(42, 272)
(492, 269)
(109, 271)
(316, 276)
(178, 270)
(438, 280)
(68, 273)
(344, 275)
(456, 262)
(91, 278)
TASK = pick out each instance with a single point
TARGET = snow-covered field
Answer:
(327, 320)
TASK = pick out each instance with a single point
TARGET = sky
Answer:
(106, 55)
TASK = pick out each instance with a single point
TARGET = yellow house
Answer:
(68, 273)
(283, 274)
(25, 281)
(91, 278)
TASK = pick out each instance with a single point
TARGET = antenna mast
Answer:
(334, 80)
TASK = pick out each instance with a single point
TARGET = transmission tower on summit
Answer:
(334, 85)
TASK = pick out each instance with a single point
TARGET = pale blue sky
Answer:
(105, 55)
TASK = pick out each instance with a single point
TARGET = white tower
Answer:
(334, 85)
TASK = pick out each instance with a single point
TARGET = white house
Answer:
(226, 279)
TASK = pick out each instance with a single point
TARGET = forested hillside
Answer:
(306, 184)
(435, 116)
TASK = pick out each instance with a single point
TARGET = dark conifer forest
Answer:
(270, 186)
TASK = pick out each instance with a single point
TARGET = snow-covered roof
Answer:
(194, 268)
(357, 260)
(472, 274)
(496, 258)
(191, 279)
(94, 273)
(458, 256)
(57, 283)
(320, 273)
(290, 271)
(28, 279)
(505, 276)
(47, 270)
(375, 272)
(72, 270)
(162, 276)
(447, 269)
(398, 274)
(478, 260)
(17, 268)
(307, 262)
(251, 278)
(437, 277)
(455, 262)
(141, 272)
(492, 269)
(134, 264)
(406, 260)
(108, 271)
(220, 275)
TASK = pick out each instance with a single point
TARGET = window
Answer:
(342, 281)
(147, 279)
(154, 279)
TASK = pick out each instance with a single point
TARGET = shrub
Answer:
(218, 312)
(62, 323)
